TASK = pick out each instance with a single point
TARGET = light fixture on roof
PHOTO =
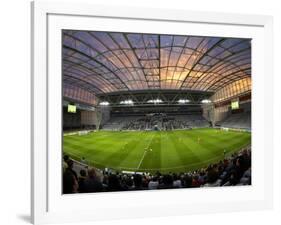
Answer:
(104, 103)
(183, 101)
(205, 101)
(155, 101)
(127, 102)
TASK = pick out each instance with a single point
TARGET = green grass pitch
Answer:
(151, 151)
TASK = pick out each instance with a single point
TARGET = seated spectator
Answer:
(105, 180)
(65, 159)
(81, 181)
(153, 184)
(167, 182)
(177, 181)
(145, 181)
(233, 179)
(212, 179)
(129, 183)
(239, 167)
(187, 179)
(195, 181)
(70, 181)
(92, 182)
(114, 183)
(138, 182)
(246, 178)
(202, 177)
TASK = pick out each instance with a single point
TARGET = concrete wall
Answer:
(90, 117)
(221, 113)
(213, 114)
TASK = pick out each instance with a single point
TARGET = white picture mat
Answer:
(152, 203)
(60, 202)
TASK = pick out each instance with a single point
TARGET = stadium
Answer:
(154, 111)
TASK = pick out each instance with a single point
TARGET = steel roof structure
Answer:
(110, 62)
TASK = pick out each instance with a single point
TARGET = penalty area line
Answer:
(141, 159)
(143, 155)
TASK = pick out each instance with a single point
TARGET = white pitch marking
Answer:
(141, 159)
(146, 149)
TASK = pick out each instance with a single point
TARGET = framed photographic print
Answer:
(135, 115)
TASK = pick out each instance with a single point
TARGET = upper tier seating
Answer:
(238, 121)
(117, 123)
(159, 121)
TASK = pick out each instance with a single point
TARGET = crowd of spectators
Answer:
(231, 171)
(164, 122)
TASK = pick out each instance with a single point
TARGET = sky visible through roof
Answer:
(104, 62)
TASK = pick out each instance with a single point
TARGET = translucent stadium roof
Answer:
(106, 62)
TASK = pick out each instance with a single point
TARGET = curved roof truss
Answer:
(107, 62)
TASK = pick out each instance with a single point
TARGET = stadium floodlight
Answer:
(206, 101)
(127, 102)
(183, 101)
(104, 103)
(155, 101)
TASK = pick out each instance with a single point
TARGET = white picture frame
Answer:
(49, 206)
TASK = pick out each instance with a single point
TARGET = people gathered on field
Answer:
(232, 171)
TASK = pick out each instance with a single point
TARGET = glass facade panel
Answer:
(232, 90)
